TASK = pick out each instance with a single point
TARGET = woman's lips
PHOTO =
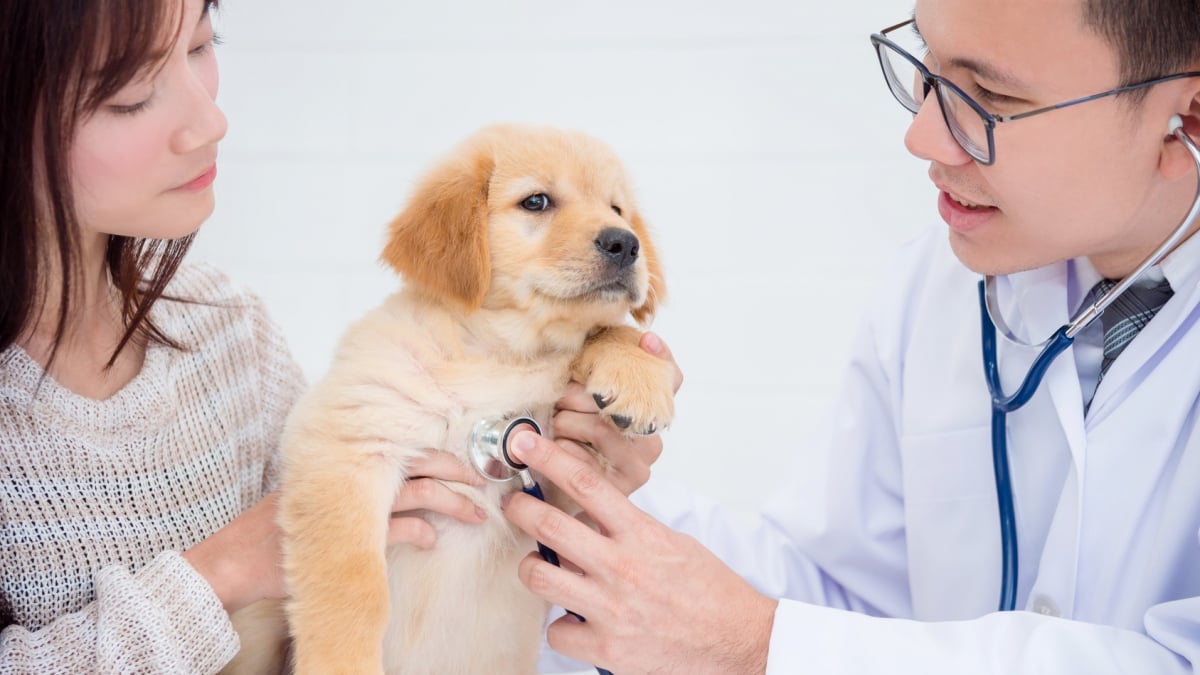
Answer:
(200, 182)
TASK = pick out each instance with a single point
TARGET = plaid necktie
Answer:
(1127, 315)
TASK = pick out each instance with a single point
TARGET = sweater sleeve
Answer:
(163, 619)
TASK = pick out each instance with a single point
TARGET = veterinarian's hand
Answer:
(426, 491)
(655, 600)
(578, 423)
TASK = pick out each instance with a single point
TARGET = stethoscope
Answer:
(1003, 404)
(488, 449)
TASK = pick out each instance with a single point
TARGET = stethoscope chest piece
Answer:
(488, 450)
(488, 447)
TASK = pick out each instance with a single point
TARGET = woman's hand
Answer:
(655, 600)
(577, 424)
(425, 490)
(242, 561)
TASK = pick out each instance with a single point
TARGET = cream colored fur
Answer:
(501, 307)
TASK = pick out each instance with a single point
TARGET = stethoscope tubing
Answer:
(1001, 406)
(533, 489)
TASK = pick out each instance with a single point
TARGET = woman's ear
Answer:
(657, 292)
(439, 243)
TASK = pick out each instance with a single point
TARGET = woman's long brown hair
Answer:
(60, 60)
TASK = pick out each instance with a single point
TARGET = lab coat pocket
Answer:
(952, 528)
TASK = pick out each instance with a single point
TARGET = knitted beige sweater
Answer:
(97, 498)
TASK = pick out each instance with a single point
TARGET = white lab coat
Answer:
(1108, 505)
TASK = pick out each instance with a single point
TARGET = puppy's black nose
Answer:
(618, 245)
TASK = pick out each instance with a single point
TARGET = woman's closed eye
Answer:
(131, 108)
(206, 46)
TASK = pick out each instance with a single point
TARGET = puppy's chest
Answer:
(494, 391)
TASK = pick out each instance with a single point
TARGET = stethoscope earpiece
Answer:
(1176, 122)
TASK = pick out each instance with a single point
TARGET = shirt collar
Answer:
(1041, 301)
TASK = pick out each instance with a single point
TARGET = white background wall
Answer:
(767, 151)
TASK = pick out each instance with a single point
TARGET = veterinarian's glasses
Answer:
(970, 125)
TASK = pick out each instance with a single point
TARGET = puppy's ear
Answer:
(657, 292)
(439, 243)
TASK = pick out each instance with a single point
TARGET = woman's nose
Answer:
(203, 123)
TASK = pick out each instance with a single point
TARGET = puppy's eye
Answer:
(538, 202)
(616, 209)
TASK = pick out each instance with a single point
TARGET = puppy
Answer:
(523, 255)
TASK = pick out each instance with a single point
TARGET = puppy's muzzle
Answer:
(618, 247)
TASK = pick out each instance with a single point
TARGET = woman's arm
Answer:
(162, 619)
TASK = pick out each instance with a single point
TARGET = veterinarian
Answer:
(898, 565)
(138, 433)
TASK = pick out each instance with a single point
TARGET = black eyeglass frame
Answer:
(935, 82)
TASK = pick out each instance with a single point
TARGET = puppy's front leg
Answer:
(333, 512)
(634, 389)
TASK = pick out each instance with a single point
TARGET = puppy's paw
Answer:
(634, 390)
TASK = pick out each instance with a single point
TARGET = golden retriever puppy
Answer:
(523, 255)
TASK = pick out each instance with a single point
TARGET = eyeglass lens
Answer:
(908, 86)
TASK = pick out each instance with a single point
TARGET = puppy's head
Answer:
(533, 219)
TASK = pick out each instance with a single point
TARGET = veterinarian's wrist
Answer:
(750, 645)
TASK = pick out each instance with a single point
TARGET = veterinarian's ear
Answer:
(439, 243)
(658, 287)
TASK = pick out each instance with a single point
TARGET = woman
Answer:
(140, 399)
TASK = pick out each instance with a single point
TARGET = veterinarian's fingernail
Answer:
(482, 515)
(651, 343)
(523, 442)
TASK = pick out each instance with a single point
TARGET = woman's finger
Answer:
(433, 495)
(411, 530)
(627, 458)
(577, 398)
(655, 345)
(443, 466)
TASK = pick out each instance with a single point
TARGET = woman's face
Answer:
(143, 164)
